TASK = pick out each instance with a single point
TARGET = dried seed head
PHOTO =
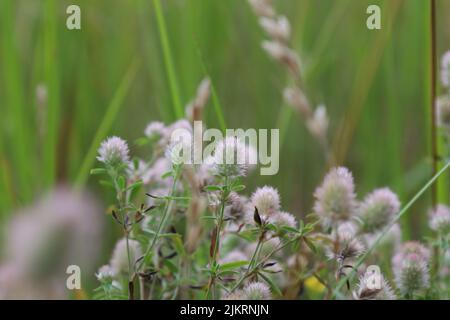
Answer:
(283, 55)
(295, 98)
(277, 28)
(267, 200)
(262, 7)
(318, 123)
(440, 219)
(378, 209)
(257, 291)
(335, 198)
(194, 109)
(114, 152)
(345, 246)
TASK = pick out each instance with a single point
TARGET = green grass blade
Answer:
(108, 119)
(14, 106)
(51, 79)
(215, 98)
(168, 61)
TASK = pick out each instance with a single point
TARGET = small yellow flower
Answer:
(314, 285)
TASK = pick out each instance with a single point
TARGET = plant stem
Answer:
(216, 239)
(434, 147)
(162, 224)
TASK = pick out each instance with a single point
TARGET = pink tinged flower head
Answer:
(266, 200)
(114, 152)
(257, 291)
(345, 246)
(445, 71)
(232, 157)
(335, 198)
(372, 288)
(105, 273)
(378, 209)
(119, 259)
(283, 219)
(410, 268)
(440, 219)
(155, 130)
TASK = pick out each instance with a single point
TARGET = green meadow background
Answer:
(136, 61)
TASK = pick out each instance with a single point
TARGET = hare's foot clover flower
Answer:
(378, 209)
(440, 219)
(410, 267)
(335, 198)
(114, 152)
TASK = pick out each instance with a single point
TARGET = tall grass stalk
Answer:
(14, 107)
(51, 78)
(168, 61)
(215, 98)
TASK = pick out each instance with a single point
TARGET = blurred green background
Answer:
(110, 78)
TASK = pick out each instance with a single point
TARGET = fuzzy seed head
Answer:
(378, 209)
(113, 152)
(335, 198)
(267, 200)
(345, 246)
(440, 219)
(282, 219)
(155, 129)
(232, 158)
(257, 291)
(410, 268)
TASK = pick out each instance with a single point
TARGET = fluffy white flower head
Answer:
(113, 151)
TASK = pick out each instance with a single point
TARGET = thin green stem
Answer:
(166, 212)
(168, 60)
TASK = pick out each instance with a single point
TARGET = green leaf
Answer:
(233, 265)
(121, 182)
(135, 185)
(98, 171)
(167, 174)
(238, 188)
(310, 244)
(272, 284)
(213, 188)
